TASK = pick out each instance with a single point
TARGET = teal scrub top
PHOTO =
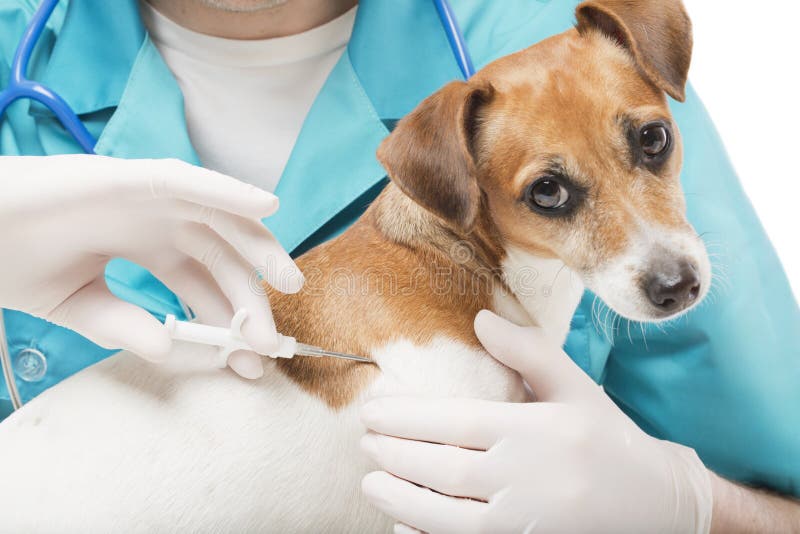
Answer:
(725, 379)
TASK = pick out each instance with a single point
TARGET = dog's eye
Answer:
(655, 139)
(548, 194)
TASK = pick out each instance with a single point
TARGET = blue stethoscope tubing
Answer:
(454, 36)
(20, 87)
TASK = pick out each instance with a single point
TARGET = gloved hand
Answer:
(64, 217)
(569, 462)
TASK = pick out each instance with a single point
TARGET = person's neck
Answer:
(292, 17)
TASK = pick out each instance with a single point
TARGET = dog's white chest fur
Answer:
(128, 446)
(443, 368)
(545, 292)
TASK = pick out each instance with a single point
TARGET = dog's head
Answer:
(568, 149)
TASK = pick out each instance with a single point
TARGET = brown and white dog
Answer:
(552, 169)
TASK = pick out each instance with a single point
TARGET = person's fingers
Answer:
(252, 240)
(422, 508)
(175, 179)
(547, 369)
(193, 283)
(443, 468)
(246, 364)
(232, 273)
(470, 423)
(94, 312)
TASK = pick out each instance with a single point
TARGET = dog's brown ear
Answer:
(430, 155)
(658, 33)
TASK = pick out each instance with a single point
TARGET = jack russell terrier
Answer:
(552, 169)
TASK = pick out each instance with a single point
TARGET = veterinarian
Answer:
(294, 100)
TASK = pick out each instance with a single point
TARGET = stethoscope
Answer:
(21, 87)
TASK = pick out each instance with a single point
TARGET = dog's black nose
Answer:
(674, 289)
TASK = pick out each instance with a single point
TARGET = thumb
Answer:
(547, 369)
(94, 312)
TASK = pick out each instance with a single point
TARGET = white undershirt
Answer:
(246, 101)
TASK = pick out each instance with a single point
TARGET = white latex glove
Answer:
(570, 462)
(64, 217)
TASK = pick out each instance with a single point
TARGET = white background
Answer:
(746, 68)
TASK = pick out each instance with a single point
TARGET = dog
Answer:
(551, 170)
